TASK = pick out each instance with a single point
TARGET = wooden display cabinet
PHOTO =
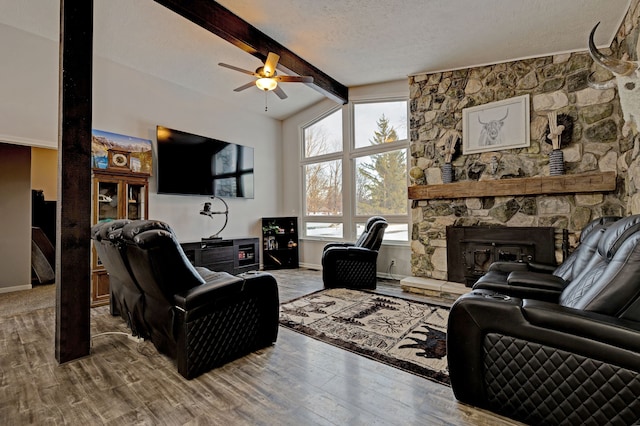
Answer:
(117, 194)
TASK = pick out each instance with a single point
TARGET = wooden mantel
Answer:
(562, 184)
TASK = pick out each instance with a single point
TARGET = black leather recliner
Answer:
(354, 265)
(199, 317)
(125, 296)
(545, 282)
(572, 362)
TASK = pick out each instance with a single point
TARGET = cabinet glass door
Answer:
(107, 201)
(136, 198)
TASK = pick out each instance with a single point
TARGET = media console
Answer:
(235, 255)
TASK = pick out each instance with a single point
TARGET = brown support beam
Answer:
(221, 22)
(72, 339)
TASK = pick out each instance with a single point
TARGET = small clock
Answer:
(119, 159)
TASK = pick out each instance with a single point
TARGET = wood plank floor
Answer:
(297, 381)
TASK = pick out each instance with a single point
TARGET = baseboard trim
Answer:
(311, 266)
(15, 288)
(390, 276)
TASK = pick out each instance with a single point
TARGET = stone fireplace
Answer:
(557, 203)
(513, 188)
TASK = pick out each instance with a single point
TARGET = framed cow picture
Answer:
(496, 126)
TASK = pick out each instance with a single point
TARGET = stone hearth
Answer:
(438, 289)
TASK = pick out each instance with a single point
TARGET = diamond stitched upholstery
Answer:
(514, 278)
(354, 273)
(222, 335)
(573, 294)
(354, 265)
(543, 385)
(199, 317)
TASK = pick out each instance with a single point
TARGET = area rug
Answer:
(405, 334)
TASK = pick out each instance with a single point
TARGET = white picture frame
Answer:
(496, 126)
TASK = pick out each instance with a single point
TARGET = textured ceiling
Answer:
(357, 42)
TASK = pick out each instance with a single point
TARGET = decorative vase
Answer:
(556, 162)
(447, 173)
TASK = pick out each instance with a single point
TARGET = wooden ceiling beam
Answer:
(220, 21)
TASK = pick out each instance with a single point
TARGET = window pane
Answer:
(323, 183)
(324, 136)
(397, 232)
(323, 229)
(394, 232)
(376, 123)
(381, 183)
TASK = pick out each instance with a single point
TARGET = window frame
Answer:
(349, 154)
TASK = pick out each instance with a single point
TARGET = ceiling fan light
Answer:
(266, 84)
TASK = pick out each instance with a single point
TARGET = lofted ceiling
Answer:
(357, 42)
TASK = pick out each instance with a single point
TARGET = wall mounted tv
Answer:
(197, 165)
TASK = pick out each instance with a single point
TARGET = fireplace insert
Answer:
(471, 249)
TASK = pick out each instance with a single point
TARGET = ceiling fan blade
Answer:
(293, 79)
(278, 91)
(270, 64)
(245, 86)
(231, 67)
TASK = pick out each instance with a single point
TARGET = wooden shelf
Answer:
(563, 184)
(280, 249)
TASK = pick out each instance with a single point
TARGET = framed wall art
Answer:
(496, 126)
(111, 150)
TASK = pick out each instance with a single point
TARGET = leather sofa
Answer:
(198, 317)
(576, 361)
(545, 282)
(354, 265)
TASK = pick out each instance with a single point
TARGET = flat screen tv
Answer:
(198, 165)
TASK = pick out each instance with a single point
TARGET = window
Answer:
(324, 136)
(324, 188)
(348, 181)
(368, 115)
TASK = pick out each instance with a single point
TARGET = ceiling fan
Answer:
(267, 78)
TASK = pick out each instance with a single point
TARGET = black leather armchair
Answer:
(354, 265)
(126, 298)
(545, 282)
(572, 362)
(199, 317)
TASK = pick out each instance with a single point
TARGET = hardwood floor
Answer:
(297, 381)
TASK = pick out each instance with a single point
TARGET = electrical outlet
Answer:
(393, 262)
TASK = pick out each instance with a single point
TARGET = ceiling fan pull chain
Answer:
(265, 101)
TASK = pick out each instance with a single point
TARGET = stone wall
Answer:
(626, 44)
(554, 83)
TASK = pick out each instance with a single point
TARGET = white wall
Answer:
(28, 116)
(131, 103)
(28, 88)
(128, 102)
(311, 249)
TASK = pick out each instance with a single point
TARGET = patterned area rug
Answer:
(405, 334)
